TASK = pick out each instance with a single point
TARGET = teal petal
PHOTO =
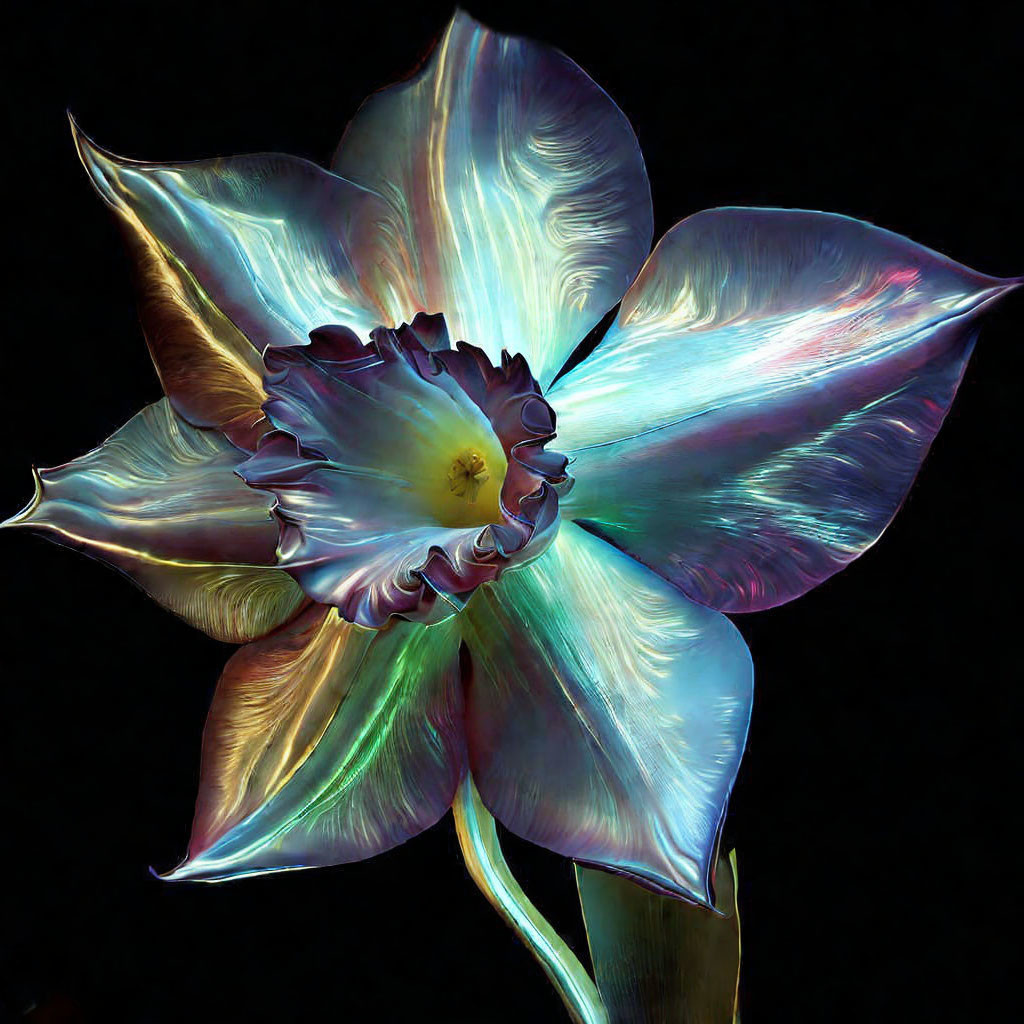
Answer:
(160, 501)
(272, 242)
(607, 714)
(657, 959)
(327, 743)
(518, 203)
(757, 412)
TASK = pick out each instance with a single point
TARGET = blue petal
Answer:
(757, 412)
(273, 241)
(607, 714)
(518, 202)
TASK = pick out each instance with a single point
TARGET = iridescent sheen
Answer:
(436, 613)
(364, 462)
(327, 743)
(757, 412)
(517, 198)
(160, 501)
(277, 244)
(607, 714)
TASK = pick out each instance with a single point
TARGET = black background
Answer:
(874, 811)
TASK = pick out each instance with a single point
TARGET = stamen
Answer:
(467, 475)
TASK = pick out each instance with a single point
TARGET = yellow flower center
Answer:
(460, 481)
(467, 475)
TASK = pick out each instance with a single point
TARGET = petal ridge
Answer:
(518, 199)
(757, 412)
(159, 501)
(381, 758)
(606, 714)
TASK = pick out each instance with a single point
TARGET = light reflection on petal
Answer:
(361, 466)
(758, 410)
(274, 700)
(370, 755)
(607, 714)
(518, 202)
(274, 241)
(208, 369)
(160, 501)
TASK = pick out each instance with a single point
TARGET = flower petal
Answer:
(518, 202)
(759, 409)
(657, 959)
(274, 700)
(160, 501)
(607, 714)
(272, 241)
(327, 743)
(208, 369)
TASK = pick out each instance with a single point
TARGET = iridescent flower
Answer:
(438, 608)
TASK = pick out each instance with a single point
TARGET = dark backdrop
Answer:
(873, 811)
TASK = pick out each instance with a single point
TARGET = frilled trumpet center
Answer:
(406, 473)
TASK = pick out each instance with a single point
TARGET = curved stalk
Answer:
(478, 839)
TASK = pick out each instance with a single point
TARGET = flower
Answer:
(434, 602)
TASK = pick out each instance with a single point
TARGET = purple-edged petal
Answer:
(757, 412)
(606, 714)
(363, 495)
(518, 202)
(272, 241)
(160, 501)
(327, 743)
(364, 467)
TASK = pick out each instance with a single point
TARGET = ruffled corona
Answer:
(404, 470)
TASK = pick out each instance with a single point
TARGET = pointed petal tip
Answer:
(186, 871)
(83, 141)
(660, 886)
(179, 874)
(196, 869)
(100, 164)
(84, 145)
(24, 517)
(999, 288)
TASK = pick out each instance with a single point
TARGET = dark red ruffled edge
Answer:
(510, 398)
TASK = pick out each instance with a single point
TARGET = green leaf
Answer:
(659, 959)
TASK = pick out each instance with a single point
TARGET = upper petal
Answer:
(160, 501)
(607, 714)
(273, 241)
(518, 202)
(758, 410)
(327, 743)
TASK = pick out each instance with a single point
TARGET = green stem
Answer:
(479, 841)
